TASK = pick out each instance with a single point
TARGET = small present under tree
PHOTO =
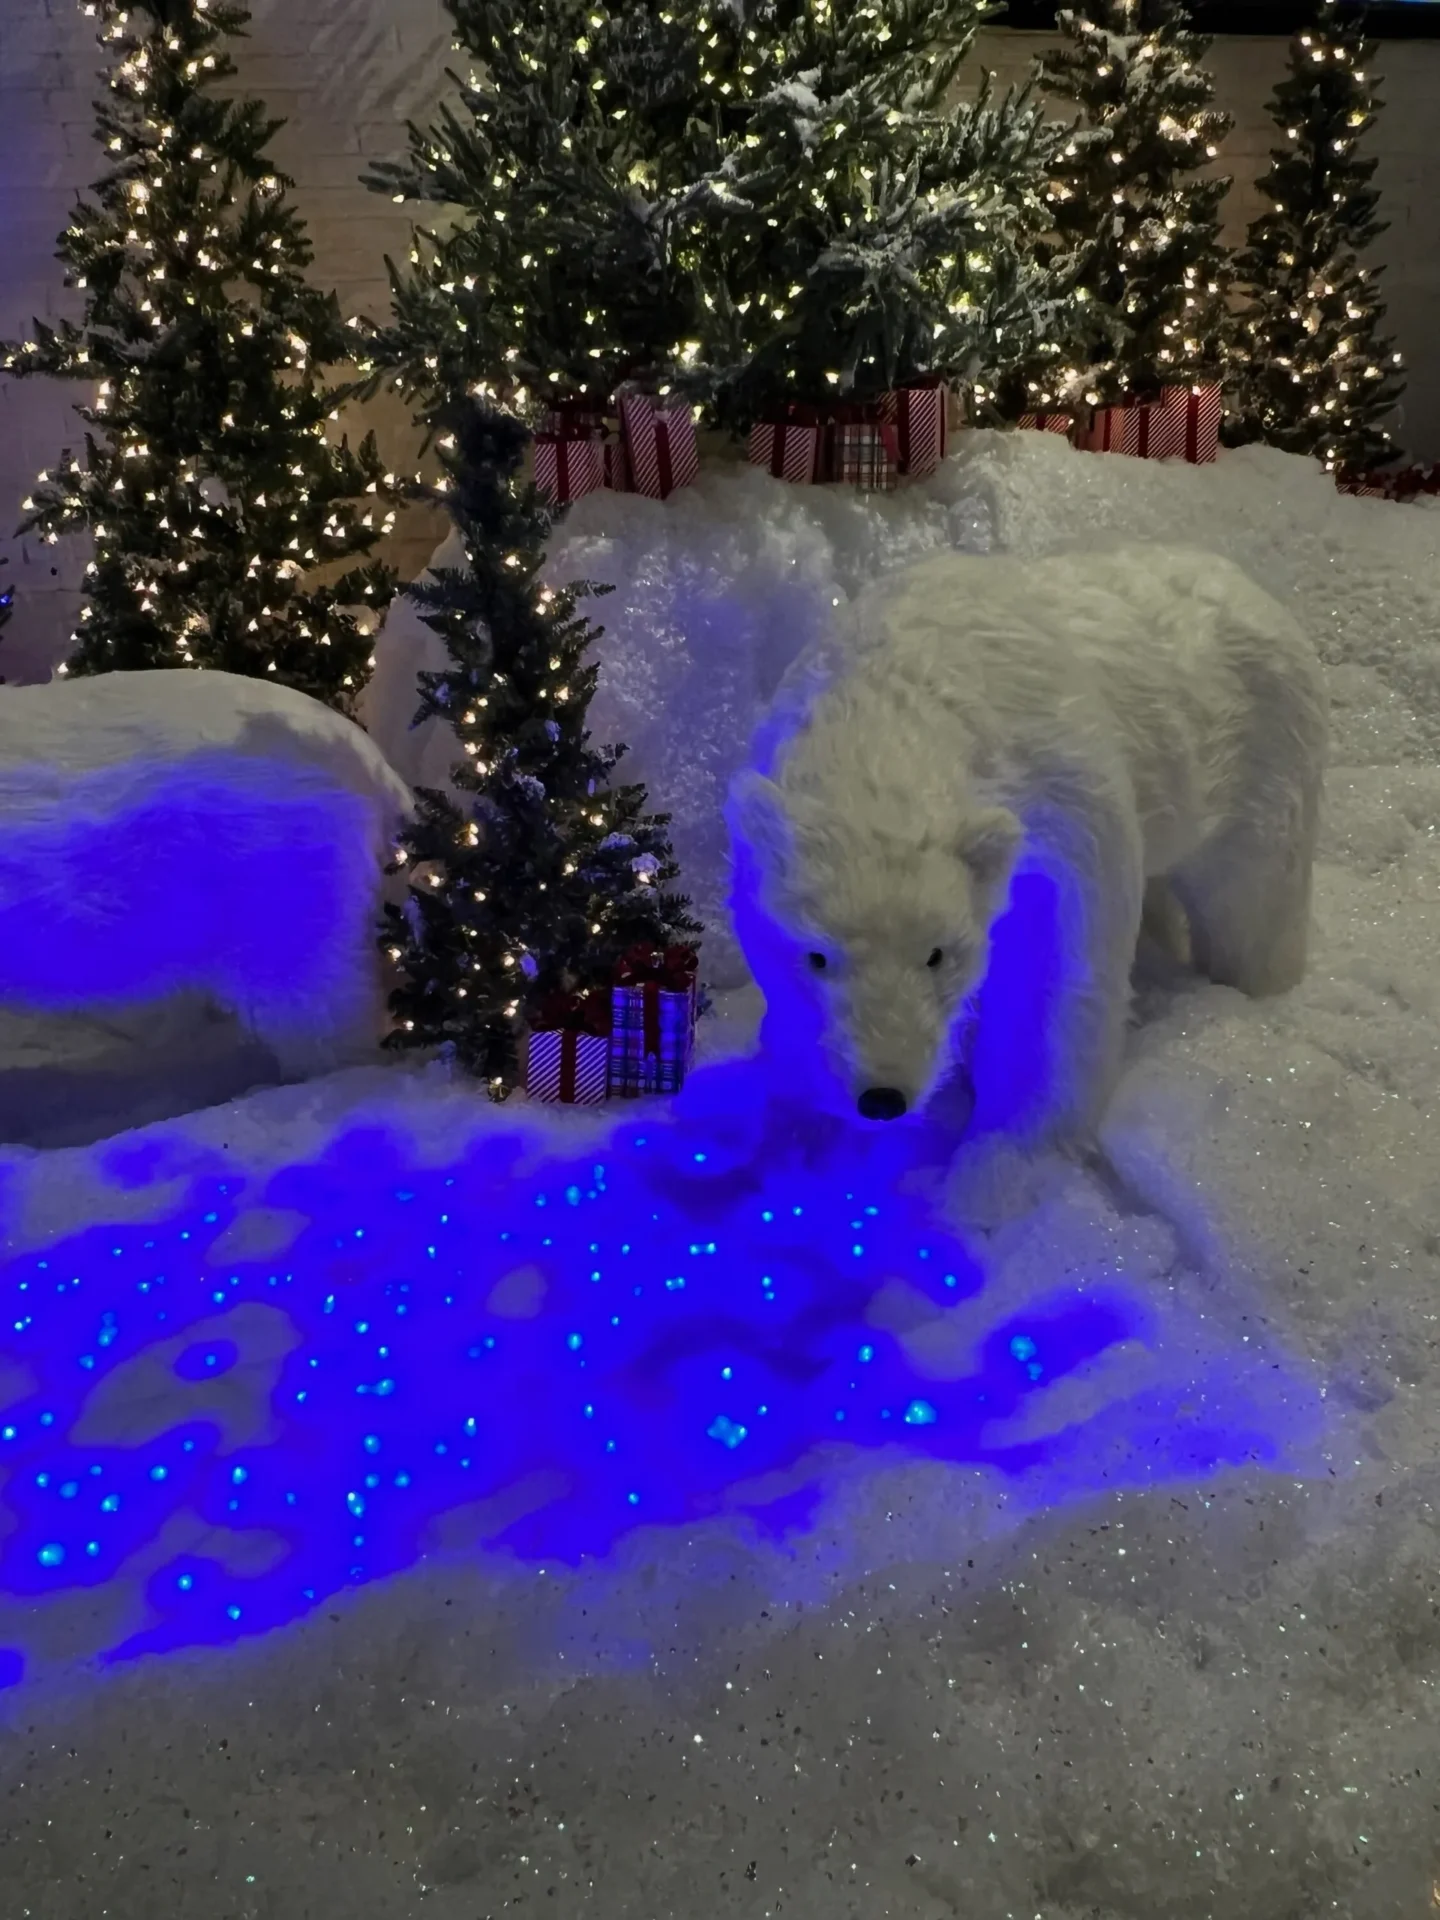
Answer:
(536, 875)
(230, 529)
(1315, 374)
(1131, 196)
(870, 228)
(571, 165)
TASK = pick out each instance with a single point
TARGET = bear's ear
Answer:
(988, 845)
(758, 816)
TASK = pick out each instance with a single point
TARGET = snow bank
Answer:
(1152, 1631)
(174, 833)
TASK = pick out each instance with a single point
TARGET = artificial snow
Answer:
(182, 835)
(1112, 1595)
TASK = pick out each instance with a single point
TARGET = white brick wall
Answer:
(346, 74)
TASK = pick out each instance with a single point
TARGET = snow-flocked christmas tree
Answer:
(782, 202)
(211, 484)
(531, 881)
(1131, 196)
(868, 227)
(1315, 374)
(579, 149)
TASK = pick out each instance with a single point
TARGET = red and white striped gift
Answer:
(920, 415)
(1184, 424)
(567, 468)
(660, 443)
(1046, 422)
(569, 1066)
(790, 449)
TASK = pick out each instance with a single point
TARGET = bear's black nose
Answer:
(882, 1103)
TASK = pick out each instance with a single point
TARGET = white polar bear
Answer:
(1093, 721)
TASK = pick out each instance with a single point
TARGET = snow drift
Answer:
(173, 833)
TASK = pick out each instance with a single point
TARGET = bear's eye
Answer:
(936, 956)
(817, 961)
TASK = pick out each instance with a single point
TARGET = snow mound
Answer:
(177, 834)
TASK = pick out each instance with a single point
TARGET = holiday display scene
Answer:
(720, 756)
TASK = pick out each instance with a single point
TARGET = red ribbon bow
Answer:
(587, 1012)
(671, 969)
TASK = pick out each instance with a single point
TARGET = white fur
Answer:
(179, 831)
(1103, 719)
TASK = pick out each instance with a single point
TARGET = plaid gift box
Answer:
(866, 454)
(920, 416)
(660, 446)
(1046, 422)
(1405, 483)
(1183, 424)
(652, 1020)
(567, 1057)
(790, 449)
(568, 466)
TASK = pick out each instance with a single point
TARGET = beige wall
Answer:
(347, 73)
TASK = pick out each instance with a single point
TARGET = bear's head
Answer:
(867, 931)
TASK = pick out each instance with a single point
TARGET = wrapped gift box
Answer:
(652, 1020)
(567, 1057)
(920, 416)
(660, 446)
(790, 448)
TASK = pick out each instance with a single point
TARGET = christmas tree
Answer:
(579, 149)
(763, 205)
(230, 530)
(1315, 374)
(872, 229)
(533, 882)
(1130, 197)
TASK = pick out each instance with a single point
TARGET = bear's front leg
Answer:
(1083, 858)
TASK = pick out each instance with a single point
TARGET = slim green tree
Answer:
(231, 529)
(538, 873)
(1132, 199)
(1316, 374)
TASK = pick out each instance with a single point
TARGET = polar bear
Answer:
(1092, 721)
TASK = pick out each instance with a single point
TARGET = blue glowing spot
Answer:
(207, 1360)
(950, 1280)
(356, 1503)
(574, 1342)
(839, 1413)
(857, 1250)
(372, 1443)
(69, 1490)
(727, 1373)
(42, 1479)
(402, 1479)
(470, 1427)
(700, 1158)
(919, 1413)
(92, 1548)
(159, 1473)
(51, 1555)
(866, 1353)
(185, 1582)
(238, 1476)
(372, 1480)
(633, 1498)
(111, 1503)
(728, 1432)
(572, 1194)
(767, 1215)
(589, 1412)
(7, 1433)
(675, 1283)
(109, 1332)
(540, 1199)
(232, 1613)
(1022, 1347)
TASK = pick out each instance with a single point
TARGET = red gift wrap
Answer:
(567, 1057)
(920, 416)
(660, 445)
(865, 449)
(1046, 422)
(788, 448)
(1404, 483)
(652, 1019)
(568, 468)
(1183, 424)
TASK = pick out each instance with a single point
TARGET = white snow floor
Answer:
(1115, 1594)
